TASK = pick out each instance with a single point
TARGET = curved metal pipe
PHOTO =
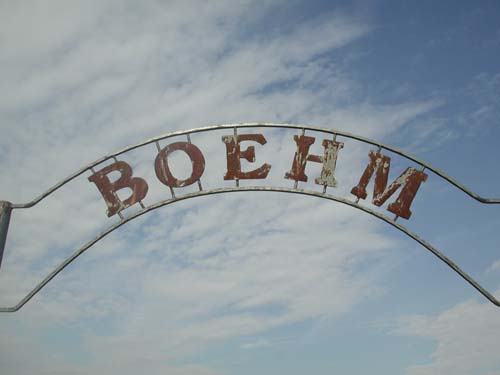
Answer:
(258, 125)
(400, 227)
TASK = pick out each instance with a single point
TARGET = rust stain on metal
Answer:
(234, 154)
(163, 171)
(109, 189)
(302, 156)
(410, 181)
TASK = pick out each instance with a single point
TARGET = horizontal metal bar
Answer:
(380, 216)
(258, 125)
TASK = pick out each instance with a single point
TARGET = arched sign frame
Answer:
(7, 207)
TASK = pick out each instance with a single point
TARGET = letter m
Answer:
(409, 181)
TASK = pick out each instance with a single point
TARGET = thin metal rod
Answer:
(5, 211)
(259, 125)
(158, 147)
(235, 134)
(155, 206)
(199, 181)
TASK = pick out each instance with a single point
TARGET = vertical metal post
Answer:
(235, 132)
(5, 210)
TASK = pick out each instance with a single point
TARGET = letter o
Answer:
(163, 171)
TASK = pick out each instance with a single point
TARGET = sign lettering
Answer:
(109, 189)
(163, 171)
(302, 156)
(113, 188)
(234, 155)
(409, 181)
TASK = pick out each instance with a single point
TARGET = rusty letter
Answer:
(410, 179)
(108, 189)
(234, 154)
(163, 171)
(329, 160)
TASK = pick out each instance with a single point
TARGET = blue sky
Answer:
(250, 283)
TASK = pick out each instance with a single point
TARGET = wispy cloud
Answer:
(80, 81)
(494, 267)
(465, 336)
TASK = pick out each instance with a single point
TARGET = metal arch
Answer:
(388, 220)
(436, 171)
(6, 207)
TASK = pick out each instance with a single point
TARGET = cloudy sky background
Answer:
(255, 282)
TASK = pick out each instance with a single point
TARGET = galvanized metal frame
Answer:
(6, 207)
(436, 171)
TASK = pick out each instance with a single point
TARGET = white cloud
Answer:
(107, 74)
(494, 267)
(466, 339)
